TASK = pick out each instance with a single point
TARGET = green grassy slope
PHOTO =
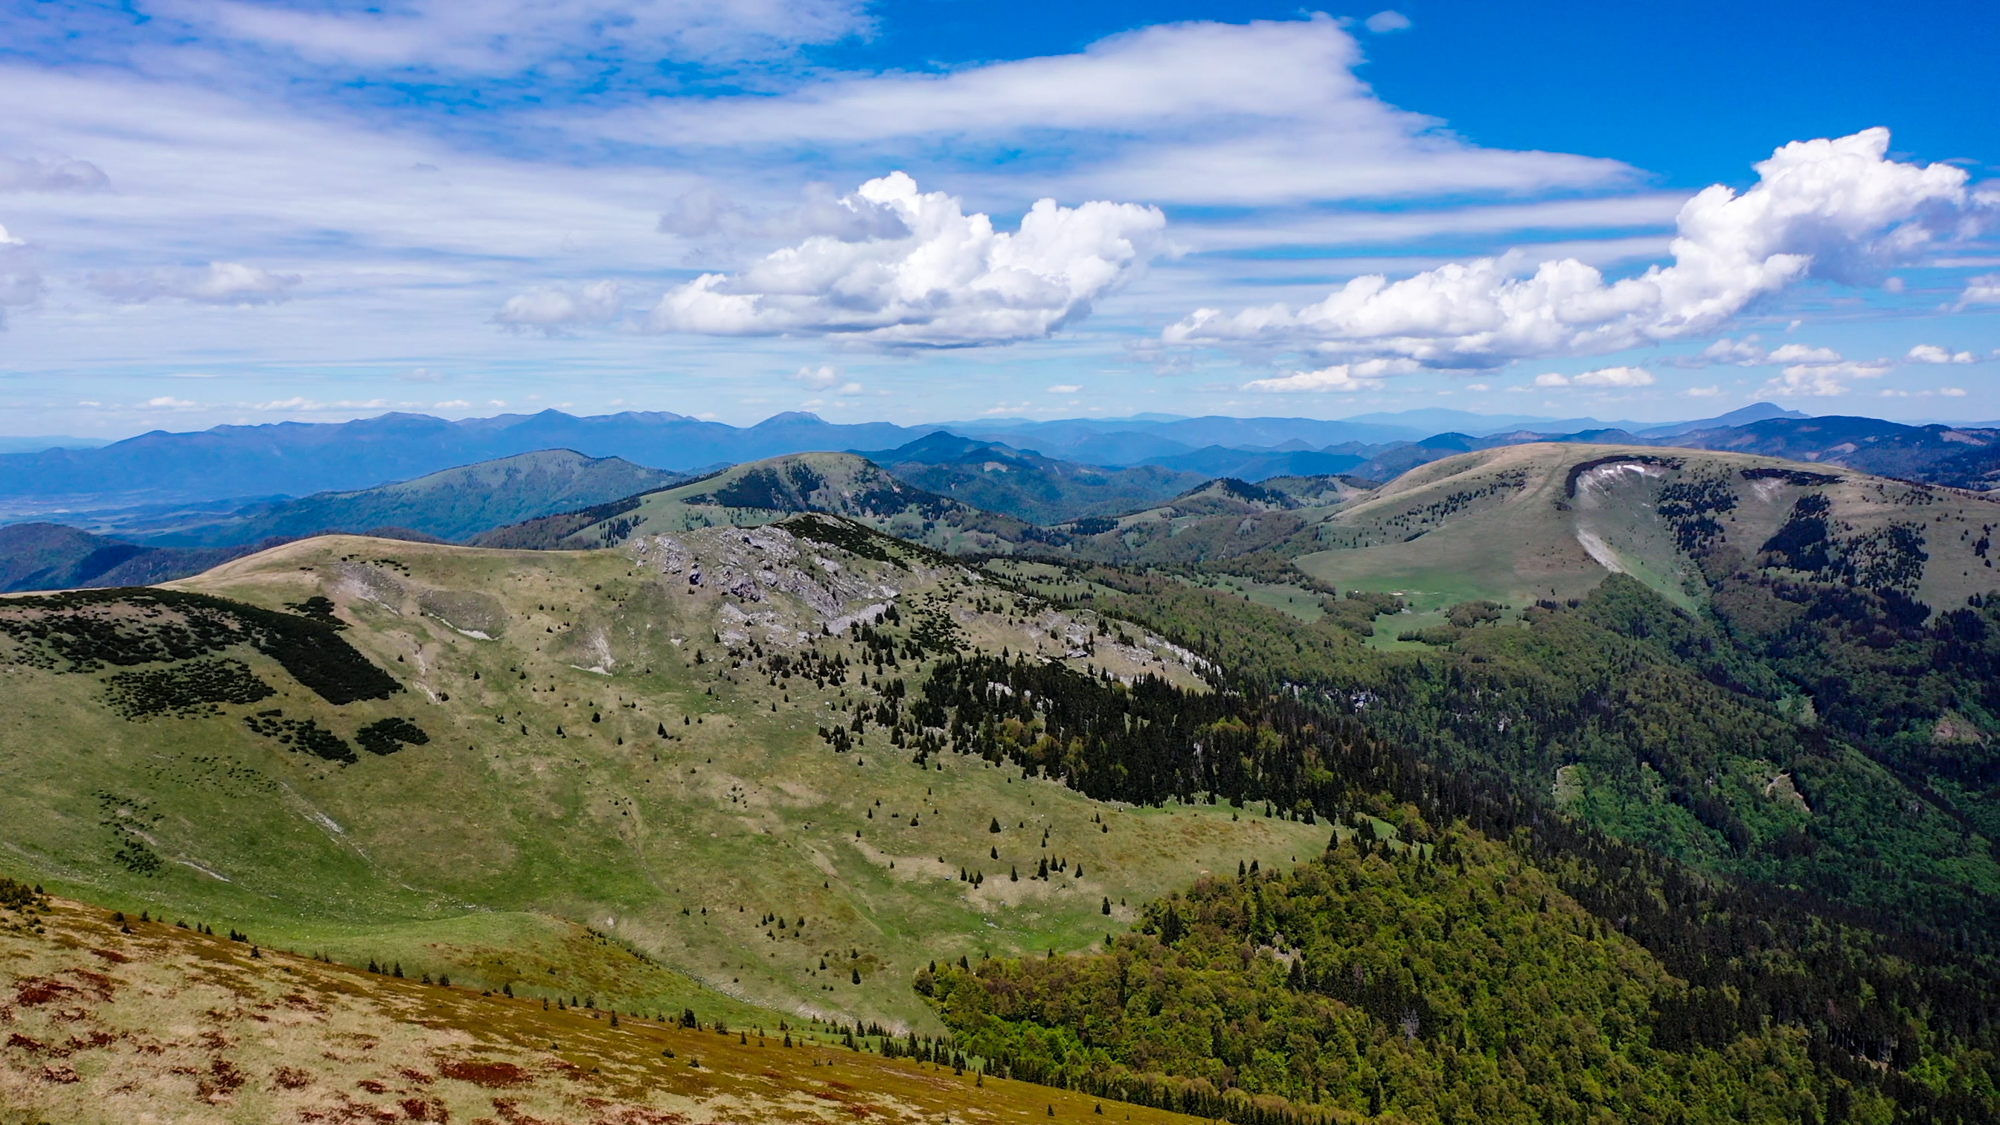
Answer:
(1550, 521)
(610, 741)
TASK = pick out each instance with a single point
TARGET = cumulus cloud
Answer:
(1065, 388)
(50, 175)
(1931, 353)
(500, 37)
(1802, 353)
(219, 283)
(551, 310)
(1822, 379)
(1750, 352)
(1386, 21)
(1743, 353)
(1341, 378)
(1982, 290)
(818, 378)
(1835, 209)
(1710, 391)
(950, 281)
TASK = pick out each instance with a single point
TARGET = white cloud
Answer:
(1835, 209)
(1342, 378)
(1704, 392)
(20, 280)
(952, 281)
(1931, 353)
(553, 309)
(1187, 112)
(169, 401)
(1982, 290)
(1616, 377)
(1749, 352)
(300, 404)
(1952, 392)
(706, 212)
(220, 283)
(818, 378)
(1802, 353)
(1065, 389)
(450, 404)
(1744, 353)
(1351, 227)
(50, 175)
(1386, 21)
(1602, 377)
(1477, 387)
(500, 37)
(1822, 379)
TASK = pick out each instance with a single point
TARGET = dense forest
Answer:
(1442, 982)
(1650, 778)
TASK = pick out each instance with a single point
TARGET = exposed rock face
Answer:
(782, 585)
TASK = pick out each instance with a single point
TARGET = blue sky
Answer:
(247, 211)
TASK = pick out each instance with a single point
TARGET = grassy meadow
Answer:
(597, 758)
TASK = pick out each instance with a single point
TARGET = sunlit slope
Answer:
(762, 491)
(1550, 521)
(596, 753)
(114, 1023)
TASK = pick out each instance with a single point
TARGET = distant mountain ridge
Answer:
(451, 505)
(296, 458)
(1025, 484)
(293, 459)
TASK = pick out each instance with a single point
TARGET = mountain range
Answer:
(171, 541)
(292, 459)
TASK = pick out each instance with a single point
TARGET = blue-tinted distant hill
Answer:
(452, 505)
(1027, 485)
(1256, 465)
(298, 458)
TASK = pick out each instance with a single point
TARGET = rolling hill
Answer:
(842, 484)
(296, 458)
(363, 749)
(1700, 743)
(1964, 457)
(670, 741)
(1549, 521)
(50, 556)
(1025, 484)
(451, 505)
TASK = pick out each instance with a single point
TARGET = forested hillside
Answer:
(1419, 969)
